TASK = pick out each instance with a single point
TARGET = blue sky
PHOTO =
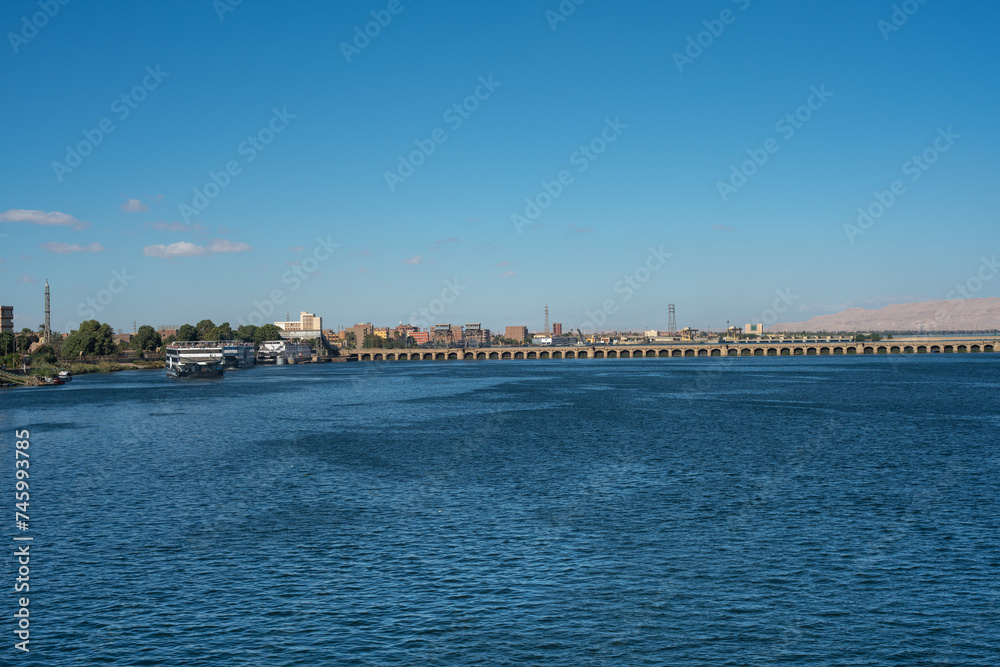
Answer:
(456, 237)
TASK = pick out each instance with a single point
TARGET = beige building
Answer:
(306, 322)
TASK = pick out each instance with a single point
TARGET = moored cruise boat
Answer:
(283, 351)
(238, 354)
(195, 360)
(65, 376)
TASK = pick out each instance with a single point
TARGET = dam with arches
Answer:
(913, 345)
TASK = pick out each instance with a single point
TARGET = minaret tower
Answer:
(47, 334)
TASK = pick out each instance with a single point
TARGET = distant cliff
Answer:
(951, 315)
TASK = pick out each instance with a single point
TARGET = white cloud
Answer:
(27, 280)
(416, 259)
(179, 249)
(66, 248)
(508, 274)
(33, 217)
(134, 206)
(225, 245)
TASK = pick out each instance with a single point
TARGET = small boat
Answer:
(65, 376)
(52, 381)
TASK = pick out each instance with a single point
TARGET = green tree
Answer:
(246, 332)
(350, 340)
(91, 338)
(221, 332)
(44, 354)
(203, 328)
(146, 338)
(186, 333)
(266, 332)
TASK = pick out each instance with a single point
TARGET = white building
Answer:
(307, 326)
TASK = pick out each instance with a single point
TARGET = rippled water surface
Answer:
(838, 511)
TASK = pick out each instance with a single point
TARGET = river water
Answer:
(838, 511)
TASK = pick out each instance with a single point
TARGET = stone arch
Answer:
(543, 355)
(689, 352)
(716, 352)
(948, 348)
(439, 356)
(582, 354)
(468, 355)
(772, 351)
(663, 353)
(519, 355)
(746, 352)
(569, 355)
(798, 351)
(987, 348)
(453, 355)
(824, 350)
(703, 352)
(811, 351)
(869, 349)
(908, 349)
(973, 348)
(676, 353)
(494, 355)
(732, 353)
(366, 357)
(650, 353)
(881, 349)
(935, 349)
(961, 348)
(557, 355)
(612, 354)
(785, 352)
(894, 349)
(377, 357)
(532, 355)
(505, 355)
(758, 352)
(838, 350)
(921, 349)
(480, 355)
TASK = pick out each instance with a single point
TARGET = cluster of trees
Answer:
(208, 331)
(92, 338)
(378, 342)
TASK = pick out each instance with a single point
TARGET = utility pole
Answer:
(546, 320)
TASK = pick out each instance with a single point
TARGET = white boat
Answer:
(195, 360)
(65, 376)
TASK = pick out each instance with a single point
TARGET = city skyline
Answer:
(265, 172)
